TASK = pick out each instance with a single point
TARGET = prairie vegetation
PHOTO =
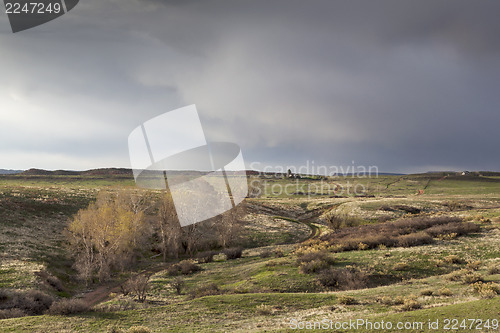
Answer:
(76, 254)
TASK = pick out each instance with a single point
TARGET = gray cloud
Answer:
(404, 85)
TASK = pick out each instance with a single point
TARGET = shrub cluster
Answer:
(32, 302)
(343, 278)
(347, 300)
(407, 232)
(444, 292)
(314, 261)
(233, 253)
(278, 253)
(68, 306)
(486, 290)
(410, 303)
(184, 267)
(494, 269)
(205, 257)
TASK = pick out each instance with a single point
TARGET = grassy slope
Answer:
(240, 311)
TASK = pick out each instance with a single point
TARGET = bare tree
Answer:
(228, 225)
(139, 286)
(169, 228)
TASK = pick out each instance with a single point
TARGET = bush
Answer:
(411, 304)
(206, 290)
(68, 306)
(266, 253)
(278, 253)
(494, 269)
(5, 295)
(34, 302)
(233, 253)
(205, 257)
(387, 300)
(139, 329)
(404, 232)
(178, 283)
(414, 239)
(347, 300)
(456, 275)
(54, 282)
(426, 292)
(342, 278)
(11, 313)
(139, 285)
(474, 265)
(453, 259)
(362, 246)
(313, 262)
(458, 228)
(486, 290)
(444, 292)
(184, 267)
(472, 277)
(312, 266)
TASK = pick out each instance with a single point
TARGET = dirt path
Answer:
(102, 293)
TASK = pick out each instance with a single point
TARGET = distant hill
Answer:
(9, 172)
(93, 172)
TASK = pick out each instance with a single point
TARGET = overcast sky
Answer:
(408, 86)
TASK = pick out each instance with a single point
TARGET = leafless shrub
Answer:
(266, 253)
(494, 269)
(178, 283)
(458, 228)
(453, 259)
(184, 267)
(342, 278)
(68, 306)
(139, 285)
(472, 277)
(426, 292)
(278, 253)
(33, 302)
(404, 232)
(411, 304)
(347, 300)
(205, 257)
(456, 275)
(55, 283)
(233, 253)
(313, 262)
(414, 239)
(11, 313)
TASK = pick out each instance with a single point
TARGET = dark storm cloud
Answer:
(405, 85)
